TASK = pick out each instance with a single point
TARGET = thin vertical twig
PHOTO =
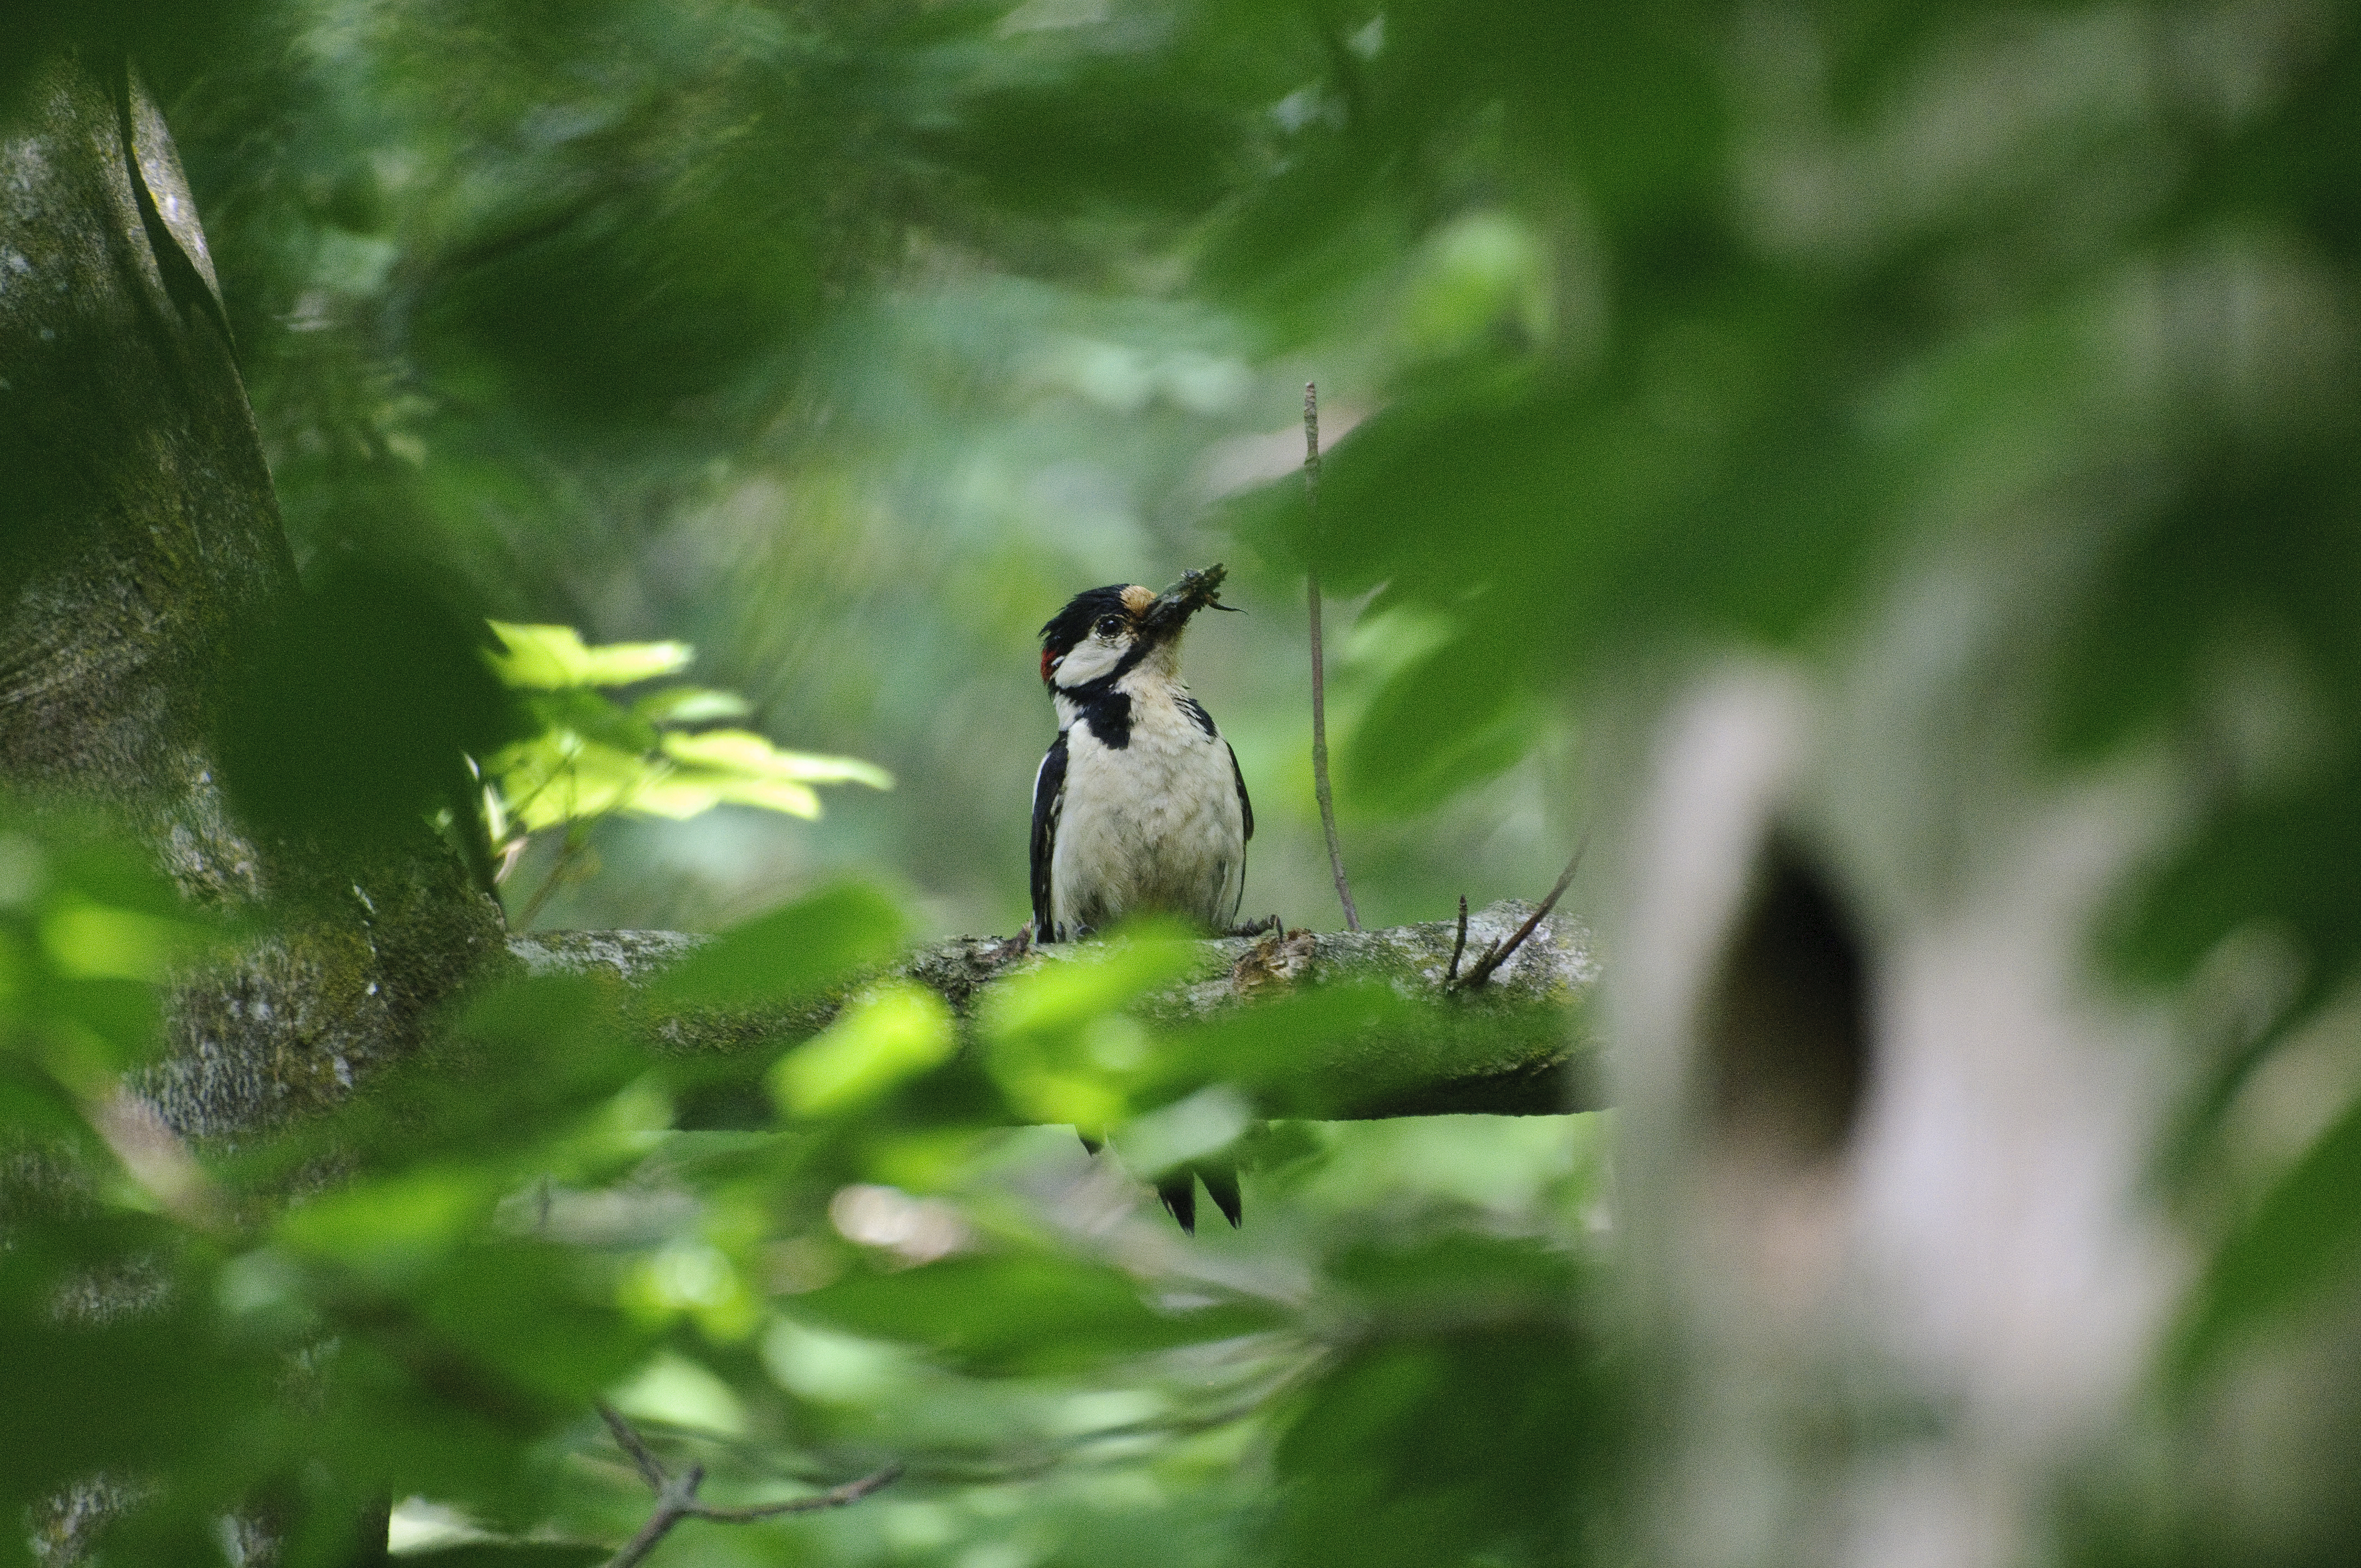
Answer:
(1319, 661)
(1458, 946)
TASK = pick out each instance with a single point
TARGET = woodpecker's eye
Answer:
(1109, 627)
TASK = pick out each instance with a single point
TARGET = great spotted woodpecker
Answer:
(1140, 806)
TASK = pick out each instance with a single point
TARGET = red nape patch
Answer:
(1045, 666)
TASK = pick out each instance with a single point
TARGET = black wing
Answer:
(1238, 903)
(1049, 799)
(1244, 804)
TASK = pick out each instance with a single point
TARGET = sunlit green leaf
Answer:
(560, 777)
(743, 751)
(691, 705)
(554, 656)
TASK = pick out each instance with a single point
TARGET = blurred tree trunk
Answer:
(141, 541)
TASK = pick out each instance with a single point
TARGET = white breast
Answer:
(1153, 826)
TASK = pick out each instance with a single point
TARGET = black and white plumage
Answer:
(1140, 806)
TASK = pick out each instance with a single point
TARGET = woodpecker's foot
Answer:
(1279, 959)
(1256, 928)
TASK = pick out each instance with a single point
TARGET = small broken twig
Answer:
(676, 1495)
(1499, 953)
(1319, 666)
(1458, 946)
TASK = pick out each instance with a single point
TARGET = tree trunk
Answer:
(141, 541)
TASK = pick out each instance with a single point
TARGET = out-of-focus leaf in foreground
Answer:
(1474, 1416)
(881, 1038)
(1035, 1313)
(358, 705)
(788, 955)
(1058, 1040)
(2302, 1237)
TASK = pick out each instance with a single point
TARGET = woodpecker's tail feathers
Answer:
(1179, 1191)
(1221, 1180)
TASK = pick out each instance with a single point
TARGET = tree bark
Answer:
(141, 541)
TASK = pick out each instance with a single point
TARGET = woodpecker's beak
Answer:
(1170, 610)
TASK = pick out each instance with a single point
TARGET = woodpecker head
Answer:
(1109, 630)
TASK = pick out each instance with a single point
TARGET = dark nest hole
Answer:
(1785, 1037)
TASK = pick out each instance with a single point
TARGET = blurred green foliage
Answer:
(536, 1215)
(846, 341)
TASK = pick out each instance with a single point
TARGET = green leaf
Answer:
(537, 1313)
(396, 1227)
(2305, 1233)
(593, 714)
(882, 1036)
(788, 955)
(560, 776)
(1099, 979)
(1432, 733)
(691, 705)
(743, 751)
(98, 1027)
(95, 941)
(1029, 1314)
(34, 1104)
(1057, 1041)
(550, 657)
(680, 795)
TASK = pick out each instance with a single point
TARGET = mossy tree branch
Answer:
(1521, 1045)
